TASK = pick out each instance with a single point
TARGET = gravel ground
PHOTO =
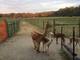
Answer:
(20, 47)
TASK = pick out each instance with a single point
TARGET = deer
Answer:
(59, 35)
(77, 41)
(38, 38)
(47, 44)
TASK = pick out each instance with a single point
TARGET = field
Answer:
(67, 22)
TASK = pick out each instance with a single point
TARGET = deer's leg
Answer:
(34, 42)
(70, 41)
(43, 47)
(48, 48)
(37, 47)
(63, 39)
(56, 40)
(77, 42)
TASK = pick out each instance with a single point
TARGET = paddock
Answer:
(69, 29)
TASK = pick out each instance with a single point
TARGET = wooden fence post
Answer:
(79, 28)
(54, 26)
(43, 24)
(73, 43)
(61, 37)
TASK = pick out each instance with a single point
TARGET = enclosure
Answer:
(20, 44)
(68, 23)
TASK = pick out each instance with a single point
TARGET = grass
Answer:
(70, 21)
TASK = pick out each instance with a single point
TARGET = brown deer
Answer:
(77, 40)
(59, 35)
(38, 38)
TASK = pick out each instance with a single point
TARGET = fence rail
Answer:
(65, 24)
(70, 51)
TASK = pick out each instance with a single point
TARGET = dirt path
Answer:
(20, 47)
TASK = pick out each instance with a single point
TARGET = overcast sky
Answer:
(9, 6)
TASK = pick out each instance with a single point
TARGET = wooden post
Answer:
(73, 43)
(43, 24)
(54, 26)
(79, 28)
(61, 37)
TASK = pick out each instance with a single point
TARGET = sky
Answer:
(33, 6)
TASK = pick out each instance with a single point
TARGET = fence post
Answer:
(43, 24)
(61, 37)
(73, 43)
(79, 28)
(54, 26)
